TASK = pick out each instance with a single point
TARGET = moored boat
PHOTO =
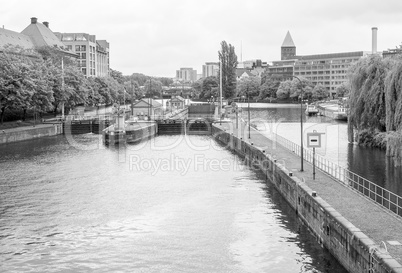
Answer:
(311, 110)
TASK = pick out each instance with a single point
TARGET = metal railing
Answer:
(380, 195)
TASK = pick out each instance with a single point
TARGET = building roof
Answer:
(331, 55)
(288, 42)
(243, 72)
(14, 38)
(177, 98)
(240, 71)
(147, 102)
(41, 35)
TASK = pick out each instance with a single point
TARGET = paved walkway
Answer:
(373, 220)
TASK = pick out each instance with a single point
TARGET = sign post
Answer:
(314, 141)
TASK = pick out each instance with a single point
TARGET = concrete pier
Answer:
(363, 236)
(29, 132)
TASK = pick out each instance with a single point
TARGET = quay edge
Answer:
(31, 132)
(348, 244)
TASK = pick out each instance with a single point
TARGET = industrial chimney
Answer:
(374, 40)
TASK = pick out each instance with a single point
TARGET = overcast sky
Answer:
(157, 37)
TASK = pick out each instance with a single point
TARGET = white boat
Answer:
(311, 110)
(341, 114)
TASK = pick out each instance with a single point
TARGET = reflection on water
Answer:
(370, 163)
(172, 204)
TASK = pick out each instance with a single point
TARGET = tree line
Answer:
(267, 87)
(43, 79)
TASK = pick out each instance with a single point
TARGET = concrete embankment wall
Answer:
(348, 244)
(27, 133)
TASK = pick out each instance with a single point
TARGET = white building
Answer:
(210, 69)
(93, 54)
(186, 74)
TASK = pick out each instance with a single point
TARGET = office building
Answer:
(329, 70)
(93, 55)
(210, 69)
(186, 74)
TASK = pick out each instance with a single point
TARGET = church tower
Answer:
(288, 48)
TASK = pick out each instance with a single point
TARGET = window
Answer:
(69, 47)
(84, 70)
(83, 48)
(77, 48)
(83, 56)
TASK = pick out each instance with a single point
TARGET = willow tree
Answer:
(393, 96)
(228, 60)
(393, 99)
(367, 96)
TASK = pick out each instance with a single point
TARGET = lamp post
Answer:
(62, 87)
(149, 99)
(132, 98)
(220, 93)
(301, 123)
(248, 110)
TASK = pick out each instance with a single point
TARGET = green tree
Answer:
(140, 78)
(320, 92)
(228, 60)
(75, 91)
(297, 87)
(269, 87)
(118, 76)
(108, 96)
(367, 96)
(15, 72)
(284, 90)
(209, 87)
(197, 87)
(343, 90)
(165, 81)
(248, 87)
(393, 96)
(42, 95)
(153, 88)
(94, 98)
(133, 88)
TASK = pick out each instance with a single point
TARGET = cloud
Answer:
(157, 37)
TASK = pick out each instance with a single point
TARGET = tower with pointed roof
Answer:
(288, 48)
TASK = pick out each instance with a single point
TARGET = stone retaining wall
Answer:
(30, 133)
(348, 244)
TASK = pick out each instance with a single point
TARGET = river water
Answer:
(171, 204)
(370, 163)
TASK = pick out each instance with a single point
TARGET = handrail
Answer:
(380, 195)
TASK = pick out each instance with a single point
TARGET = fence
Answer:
(382, 196)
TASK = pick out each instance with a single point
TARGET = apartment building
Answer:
(186, 74)
(210, 69)
(93, 55)
(102, 58)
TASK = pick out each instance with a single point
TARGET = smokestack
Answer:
(374, 40)
(46, 24)
(34, 20)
